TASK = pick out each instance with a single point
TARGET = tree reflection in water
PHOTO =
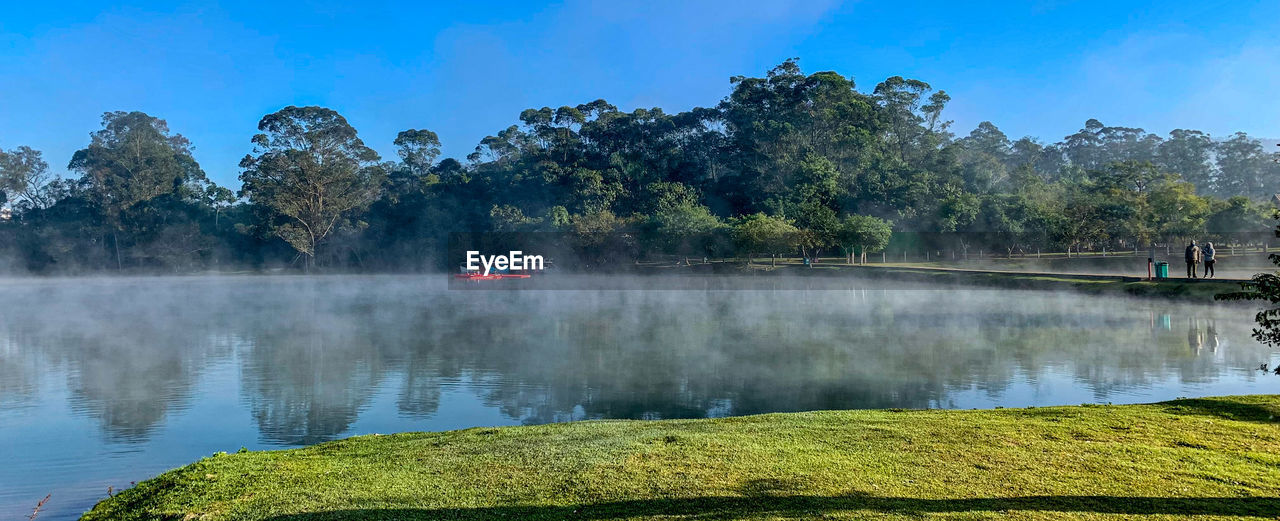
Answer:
(313, 352)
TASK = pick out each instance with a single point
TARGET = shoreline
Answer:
(1176, 459)
(788, 275)
(1198, 290)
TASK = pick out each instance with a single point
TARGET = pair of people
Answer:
(1195, 255)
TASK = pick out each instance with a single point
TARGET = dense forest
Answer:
(785, 164)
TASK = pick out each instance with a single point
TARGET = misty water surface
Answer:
(108, 381)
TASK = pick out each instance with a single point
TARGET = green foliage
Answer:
(1237, 217)
(602, 238)
(818, 227)
(760, 234)
(803, 147)
(311, 171)
(507, 218)
(25, 175)
(685, 229)
(141, 182)
(1265, 287)
(1176, 210)
(418, 150)
(864, 234)
(1244, 168)
(134, 159)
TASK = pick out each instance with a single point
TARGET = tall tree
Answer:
(1097, 145)
(775, 124)
(311, 171)
(418, 150)
(1245, 168)
(132, 160)
(901, 101)
(24, 178)
(1189, 153)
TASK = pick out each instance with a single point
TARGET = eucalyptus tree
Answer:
(132, 160)
(1002, 221)
(986, 156)
(776, 124)
(1245, 168)
(1047, 161)
(310, 171)
(1189, 153)
(988, 139)
(1097, 145)
(1122, 204)
(418, 150)
(24, 178)
(901, 99)
(634, 149)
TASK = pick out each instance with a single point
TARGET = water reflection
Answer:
(311, 354)
(307, 359)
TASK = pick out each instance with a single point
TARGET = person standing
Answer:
(1193, 258)
(1209, 260)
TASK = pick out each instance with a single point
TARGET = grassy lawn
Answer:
(1181, 289)
(1175, 288)
(1198, 290)
(1188, 459)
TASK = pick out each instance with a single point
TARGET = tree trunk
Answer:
(115, 240)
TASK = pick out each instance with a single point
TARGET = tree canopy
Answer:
(788, 163)
(309, 174)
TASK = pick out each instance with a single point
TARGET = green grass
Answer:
(1180, 289)
(1197, 290)
(1188, 459)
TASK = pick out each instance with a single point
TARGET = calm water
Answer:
(104, 382)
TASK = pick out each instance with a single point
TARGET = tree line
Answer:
(786, 164)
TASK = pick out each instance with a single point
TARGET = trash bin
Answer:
(1162, 270)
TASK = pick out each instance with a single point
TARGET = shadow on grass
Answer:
(1226, 409)
(803, 507)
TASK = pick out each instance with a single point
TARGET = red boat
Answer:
(475, 275)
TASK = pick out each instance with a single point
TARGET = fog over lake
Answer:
(108, 381)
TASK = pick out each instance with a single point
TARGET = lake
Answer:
(108, 381)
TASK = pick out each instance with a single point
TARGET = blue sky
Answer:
(465, 70)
